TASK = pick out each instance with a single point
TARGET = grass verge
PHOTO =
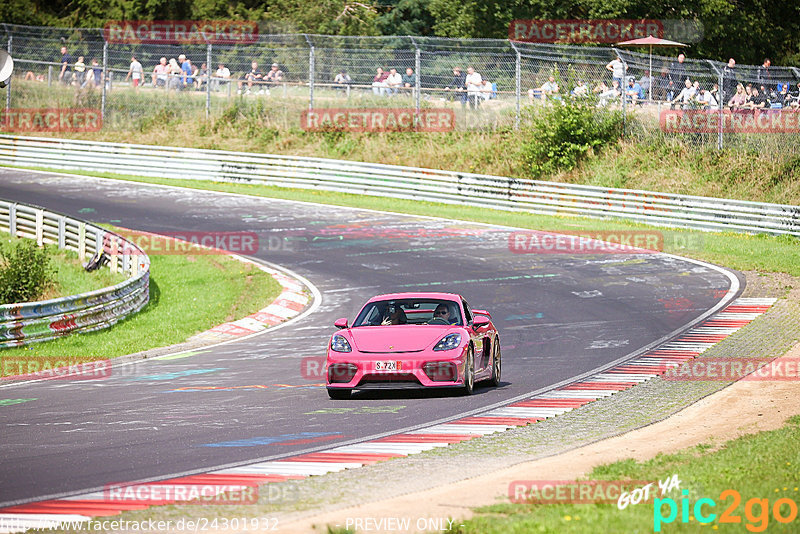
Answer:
(761, 466)
(734, 250)
(188, 294)
(70, 277)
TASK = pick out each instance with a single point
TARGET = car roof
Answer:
(417, 294)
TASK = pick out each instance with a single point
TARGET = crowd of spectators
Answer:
(673, 85)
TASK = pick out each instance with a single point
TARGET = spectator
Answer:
(379, 82)
(645, 82)
(135, 72)
(459, 86)
(782, 97)
(161, 73)
(763, 75)
(343, 79)
(80, 69)
(487, 91)
(795, 97)
(580, 90)
(175, 74)
(738, 100)
(706, 99)
(474, 83)
(65, 74)
(221, 77)
(661, 87)
(201, 76)
(409, 79)
(617, 68)
(715, 90)
(254, 76)
(677, 73)
(394, 82)
(686, 95)
(610, 94)
(187, 77)
(601, 87)
(633, 92)
(550, 87)
(274, 76)
(30, 76)
(730, 80)
(756, 100)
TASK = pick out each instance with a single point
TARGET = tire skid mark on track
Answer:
(566, 398)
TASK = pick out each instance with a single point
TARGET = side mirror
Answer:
(479, 321)
(341, 323)
(481, 312)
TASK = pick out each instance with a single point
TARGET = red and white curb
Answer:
(289, 304)
(536, 408)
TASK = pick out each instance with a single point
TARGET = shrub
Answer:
(559, 136)
(25, 272)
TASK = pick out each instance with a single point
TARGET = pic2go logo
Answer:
(784, 510)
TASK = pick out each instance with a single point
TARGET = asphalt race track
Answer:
(559, 316)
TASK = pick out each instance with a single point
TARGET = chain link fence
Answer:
(485, 82)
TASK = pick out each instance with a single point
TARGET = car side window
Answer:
(467, 311)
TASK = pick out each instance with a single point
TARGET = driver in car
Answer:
(443, 312)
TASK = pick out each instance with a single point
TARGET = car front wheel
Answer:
(469, 373)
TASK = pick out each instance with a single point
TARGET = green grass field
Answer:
(70, 277)
(188, 294)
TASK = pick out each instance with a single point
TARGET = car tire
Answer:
(496, 364)
(469, 373)
(339, 393)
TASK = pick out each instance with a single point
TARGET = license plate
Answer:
(388, 366)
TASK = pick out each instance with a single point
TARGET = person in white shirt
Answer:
(486, 90)
(394, 81)
(707, 99)
(686, 95)
(474, 83)
(135, 72)
(221, 77)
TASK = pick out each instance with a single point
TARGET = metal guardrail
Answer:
(497, 192)
(29, 322)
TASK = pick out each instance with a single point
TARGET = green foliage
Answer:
(25, 272)
(561, 135)
(747, 31)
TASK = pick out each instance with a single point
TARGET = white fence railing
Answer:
(28, 322)
(664, 209)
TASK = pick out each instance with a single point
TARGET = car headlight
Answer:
(340, 344)
(448, 342)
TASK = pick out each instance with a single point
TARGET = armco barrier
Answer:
(481, 190)
(40, 321)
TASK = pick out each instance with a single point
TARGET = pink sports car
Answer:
(413, 340)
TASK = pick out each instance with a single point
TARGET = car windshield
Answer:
(409, 311)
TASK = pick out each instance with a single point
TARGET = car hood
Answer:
(398, 338)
